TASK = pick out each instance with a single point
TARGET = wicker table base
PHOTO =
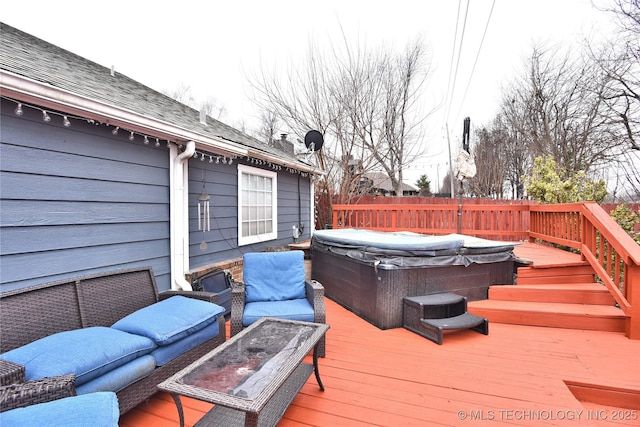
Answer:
(272, 412)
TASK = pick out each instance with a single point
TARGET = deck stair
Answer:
(561, 296)
(432, 315)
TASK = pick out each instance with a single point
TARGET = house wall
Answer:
(81, 200)
(221, 183)
(78, 200)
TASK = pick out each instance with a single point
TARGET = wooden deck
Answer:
(516, 375)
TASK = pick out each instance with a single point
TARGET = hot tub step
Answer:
(431, 315)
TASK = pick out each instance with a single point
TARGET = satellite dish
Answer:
(313, 140)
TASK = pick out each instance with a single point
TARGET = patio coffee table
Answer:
(253, 377)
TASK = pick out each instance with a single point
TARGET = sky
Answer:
(212, 46)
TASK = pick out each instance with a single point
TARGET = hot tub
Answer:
(370, 272)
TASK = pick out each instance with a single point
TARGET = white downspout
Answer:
(179, 214)
(312, 206)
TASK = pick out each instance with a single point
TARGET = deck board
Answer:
(546, 256)
(513, 376)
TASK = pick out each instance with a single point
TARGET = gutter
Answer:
(179, 215)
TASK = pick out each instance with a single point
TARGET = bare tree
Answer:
(581, 107)
(269, 125)
(181, 94)
(557, 109)
(619, 59)
(392, 127)
(211, 106)
(363, 101)
(491, 159)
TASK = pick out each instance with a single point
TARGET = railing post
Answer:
(632, 278)
(460, 209)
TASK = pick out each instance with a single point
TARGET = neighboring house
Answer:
(378, 183)
(99, 172)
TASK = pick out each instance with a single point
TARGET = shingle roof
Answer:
(382, 181)
(35, 59)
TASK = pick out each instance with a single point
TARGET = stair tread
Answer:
(557, 286)
(462, 321)
(548, 307)
(556, 265)
(439, 299)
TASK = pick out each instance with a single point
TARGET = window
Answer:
(257, 205)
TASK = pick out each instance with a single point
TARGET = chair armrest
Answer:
(238, 295)
(11, 373)
(39, 391)
(315, 295)
(201, 295)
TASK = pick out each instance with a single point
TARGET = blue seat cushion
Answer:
(87, 353)
(166, 353)
(95, 409)
(120, 377)
(170, 320)
(296, 309)
(273, 276)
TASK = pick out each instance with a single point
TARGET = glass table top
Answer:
(246, 366)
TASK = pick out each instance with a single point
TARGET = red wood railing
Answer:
(504, 222)
(585, 227)
(612, 253)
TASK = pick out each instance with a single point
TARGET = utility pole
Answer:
(450, 159)
(466, 127)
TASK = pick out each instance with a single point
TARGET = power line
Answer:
(477, 56)
(453, 54)
(455, 75)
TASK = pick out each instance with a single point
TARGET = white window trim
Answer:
(247, 240)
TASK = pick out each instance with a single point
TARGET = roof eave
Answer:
(28, 90)
(287, 163)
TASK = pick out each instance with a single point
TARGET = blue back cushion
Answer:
(167, 353)
(274, 276)
(170, 320)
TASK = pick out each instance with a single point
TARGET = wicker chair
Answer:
(274, 285)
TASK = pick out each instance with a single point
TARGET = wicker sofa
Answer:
(97, 301)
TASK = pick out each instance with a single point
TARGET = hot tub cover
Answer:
(408, 249)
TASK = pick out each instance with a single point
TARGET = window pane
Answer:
(257, 204)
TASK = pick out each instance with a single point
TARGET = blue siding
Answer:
(293, 205)
(78, 200)
(221, 183)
